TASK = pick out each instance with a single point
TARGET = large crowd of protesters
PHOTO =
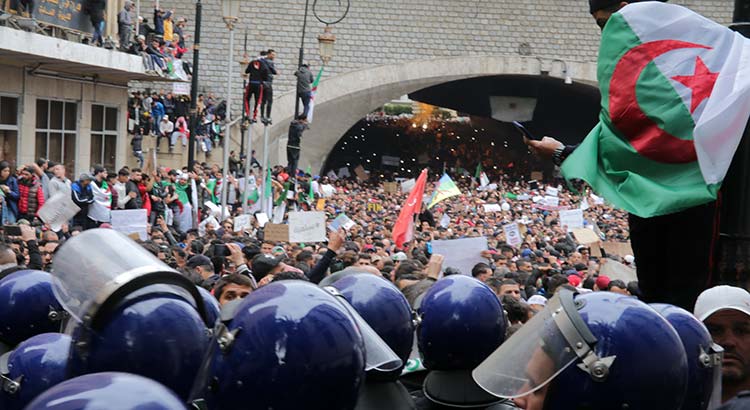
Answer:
(186, 232)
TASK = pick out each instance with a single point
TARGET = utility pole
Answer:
(194, 86)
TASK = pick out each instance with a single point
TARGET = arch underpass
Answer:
(344, 99)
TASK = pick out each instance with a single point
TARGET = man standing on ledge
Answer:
(669, 125)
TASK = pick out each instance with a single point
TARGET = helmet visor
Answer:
(91, 266)
(529, 359)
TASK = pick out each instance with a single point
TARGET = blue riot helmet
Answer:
(129, 312)
(34, 366)
(107, 391)
(385, 309)
(459, 307)
(28, 305)
(213, 309)
(703, 358)
(600, 350)
(286, 335)
(461, 323)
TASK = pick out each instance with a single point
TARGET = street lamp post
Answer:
(231, 13)
(325, 40)
(194, 87)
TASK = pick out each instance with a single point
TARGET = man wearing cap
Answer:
(83, 196)
(725, 310)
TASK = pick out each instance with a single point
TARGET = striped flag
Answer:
(314, 92)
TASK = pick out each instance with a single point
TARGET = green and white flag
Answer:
(675, 100)
(314, 93)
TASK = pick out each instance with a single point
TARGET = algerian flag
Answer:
(311, 194)
(446, 189)
(478, 172)
(267, 193)
(314, 92)
(675, 100)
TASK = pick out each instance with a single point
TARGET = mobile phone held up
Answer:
(12, 230)
(524, 131)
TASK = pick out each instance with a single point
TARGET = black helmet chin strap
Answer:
(579, 336)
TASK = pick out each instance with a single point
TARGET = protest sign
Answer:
(277, 215)
(341, 221)
(181, 88)
(362, 175)
(585, 236)
(461, 254)
(585, 204)
(573, 219)
(131, 221)
(276, 233)
(551, 200)
(552, 191)
(321, 205)
(390, 160)
(374, 207)
(597, 200)
(343, 172)
(57, 211)
(262, 219)
(242, 222)
(617, 271)
(618, 248)
(390, 187)
(492, 208)
(408, 185)
(307, 227)
(513, 235)
(536, 175)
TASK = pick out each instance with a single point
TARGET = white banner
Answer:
(307, 227)
(58, 210)
(262, 219)
(131, 221)
(552, 191)
(573, 219)
(492, 208)
(551, 200)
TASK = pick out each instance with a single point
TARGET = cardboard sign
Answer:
(307, 227)
(321, 205)
(276, 232)
(492, 208)
(461, 254)
(513, 235)
(618, 248)
(573, 219)
(585, 236)
(341, 221)
(242, 222)
(390, 187)
(131, 221)
(57, 211)
(616, 270)
(362, 175)
(536, 175)
(262, 219)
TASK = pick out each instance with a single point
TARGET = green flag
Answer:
(211, 187)
(267, 189)
(311, 194)
(478, 172)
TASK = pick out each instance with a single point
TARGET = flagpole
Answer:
(248, 166)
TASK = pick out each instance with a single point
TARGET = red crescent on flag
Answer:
(643, 133)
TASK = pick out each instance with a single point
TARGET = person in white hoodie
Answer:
(59, 184)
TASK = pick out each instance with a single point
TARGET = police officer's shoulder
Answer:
(742, 401)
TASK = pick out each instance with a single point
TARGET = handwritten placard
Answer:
(512, 235)
(242, 222)
(307, 227)
(58, 210)
(573, 219)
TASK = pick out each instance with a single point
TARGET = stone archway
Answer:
(344, 99)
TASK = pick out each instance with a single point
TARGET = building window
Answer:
(9, 129)
(103, 136)
(56, 126)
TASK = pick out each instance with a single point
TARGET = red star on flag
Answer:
(701, 82)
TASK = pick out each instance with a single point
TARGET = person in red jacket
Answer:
(31, 195)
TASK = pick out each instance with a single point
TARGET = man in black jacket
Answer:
(256, 72)
(296, 128)
(267, 100)
(131, 190)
